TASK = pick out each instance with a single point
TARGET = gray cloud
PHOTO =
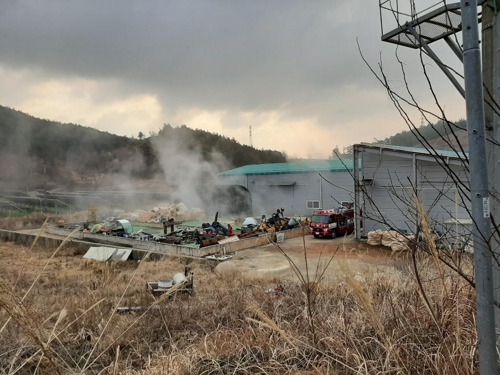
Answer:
(297, 57)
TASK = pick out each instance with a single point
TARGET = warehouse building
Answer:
(390, 177)
(298, 187)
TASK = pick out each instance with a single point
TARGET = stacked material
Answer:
(375, 237)
(390, 238)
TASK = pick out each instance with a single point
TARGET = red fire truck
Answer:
(332, 223)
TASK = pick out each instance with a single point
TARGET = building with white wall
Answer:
(299, 187)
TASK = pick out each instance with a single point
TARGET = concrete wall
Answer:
(53, 243)
(163, 248)
(46, 242)
(292, 191)
(389, 182)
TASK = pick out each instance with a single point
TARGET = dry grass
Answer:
(377, 323)
(35, 220)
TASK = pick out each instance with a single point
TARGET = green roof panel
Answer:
(308, 166)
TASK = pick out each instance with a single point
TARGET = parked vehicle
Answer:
(332, 223)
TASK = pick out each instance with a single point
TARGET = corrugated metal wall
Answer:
(389, 183)
(292, 191)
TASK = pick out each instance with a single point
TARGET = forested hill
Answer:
(438, 135)
(50, 140)
(236, 154)
(37, 153)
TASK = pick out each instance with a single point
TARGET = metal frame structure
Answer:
(418, 32)
(440, 23)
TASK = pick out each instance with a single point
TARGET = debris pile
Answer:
(277, 222)
(173, 230)
(179, 211)
(207, 235)
(390, 238)
(110, 226)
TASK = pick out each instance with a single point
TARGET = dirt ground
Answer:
(346, 254)
(267, 262)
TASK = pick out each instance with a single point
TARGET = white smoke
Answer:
(190, 176)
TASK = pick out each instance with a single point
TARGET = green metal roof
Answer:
(308, 166)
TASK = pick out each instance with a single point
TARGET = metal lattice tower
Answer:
(432, 24)
(250, 135)
(418, 29)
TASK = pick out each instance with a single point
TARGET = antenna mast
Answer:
(250, 133)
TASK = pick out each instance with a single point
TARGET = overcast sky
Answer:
(290, 69)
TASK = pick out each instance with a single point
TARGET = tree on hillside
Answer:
(210, 144)
(347, 150)
(335, 153)
(344, 154)
(76, 152)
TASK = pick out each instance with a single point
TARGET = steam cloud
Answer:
(192, 179)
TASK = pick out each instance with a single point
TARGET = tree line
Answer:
(38, 153)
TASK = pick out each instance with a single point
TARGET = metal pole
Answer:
(355, 172)
(320, 193)
(491, 58)
(415, 186)
(494, 156)
(479, 189)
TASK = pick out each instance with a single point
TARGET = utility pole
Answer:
(473, 79)
(484, 161)
(491, 76)
(494, 133)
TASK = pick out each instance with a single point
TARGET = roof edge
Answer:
(415, 150)
(274, 168)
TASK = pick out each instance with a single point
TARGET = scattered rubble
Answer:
(169, 223)
(179, 211)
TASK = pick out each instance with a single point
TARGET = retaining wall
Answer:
(53, 243)
(159, 247)
(84, 241)
(27, 240)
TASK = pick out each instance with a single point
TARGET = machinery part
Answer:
(179, 278)
(165, 283)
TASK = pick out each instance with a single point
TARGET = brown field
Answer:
(367, 316)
